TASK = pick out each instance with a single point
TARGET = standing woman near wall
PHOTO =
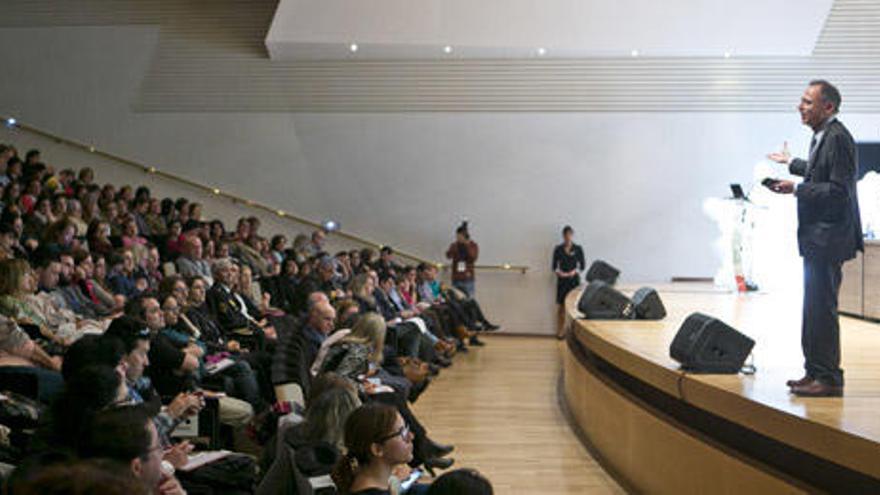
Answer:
(568, 260)
(463, 253)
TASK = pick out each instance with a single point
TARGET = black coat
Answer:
(829, 223)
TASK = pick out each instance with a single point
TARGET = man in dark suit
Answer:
(829, 233)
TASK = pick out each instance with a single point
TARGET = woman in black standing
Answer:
(568, 260)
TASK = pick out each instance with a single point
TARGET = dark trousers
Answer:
(820, 331)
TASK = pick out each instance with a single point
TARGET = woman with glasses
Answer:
(378, 441)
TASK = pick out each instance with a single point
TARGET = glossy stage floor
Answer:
(660, 430)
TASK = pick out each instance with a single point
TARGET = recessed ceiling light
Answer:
(634, 53)
(447, 49)
(542, 52)
(353, 47)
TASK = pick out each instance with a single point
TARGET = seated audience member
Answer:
(316, 245)
(90, 477)
(154, 219)
(237, 380)
(190, 263)
(233, 312)
(151, 267)
(99, 237)
(377, 441)
(98, 296)
(174, 364)
(127, 435)
(297, 351)
(461, 482)
(134, 338)
(57, 279)
(133, 240)
(74, 216)
(9, 242)
(174, 240)
(124, 277)
(358, 356)
(19, 301)
(21, 355)
(312, 447)
(87, 391)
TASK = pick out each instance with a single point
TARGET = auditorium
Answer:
(439, 247)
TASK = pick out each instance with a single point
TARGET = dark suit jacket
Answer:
(829, 223)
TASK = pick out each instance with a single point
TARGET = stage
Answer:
(665, 431)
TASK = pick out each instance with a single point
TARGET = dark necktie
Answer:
(812, 145)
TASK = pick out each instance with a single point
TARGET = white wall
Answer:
(493, 28)
(632, 185)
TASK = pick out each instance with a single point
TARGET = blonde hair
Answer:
(12, 271)
(358, 287)
(370, 329)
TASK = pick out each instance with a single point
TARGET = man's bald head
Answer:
(322, 316)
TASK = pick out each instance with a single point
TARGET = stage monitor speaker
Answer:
(600, 301)
(648, 305)
(601, 270)
(707, 345)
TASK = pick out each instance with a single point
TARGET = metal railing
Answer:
(217, 192)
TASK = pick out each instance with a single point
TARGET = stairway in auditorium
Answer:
(498, 405)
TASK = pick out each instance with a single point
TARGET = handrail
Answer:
(14, 123)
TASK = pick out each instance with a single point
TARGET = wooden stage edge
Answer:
(660, 430)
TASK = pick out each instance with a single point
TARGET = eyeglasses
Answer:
(403, 432)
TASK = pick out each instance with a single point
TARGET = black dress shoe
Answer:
(438, 450)
(475, 341)
(800, 382)
(817, 389)
(490, 327)
(438, 463)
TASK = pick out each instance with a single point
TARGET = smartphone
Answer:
(769, 183)
(406, 484)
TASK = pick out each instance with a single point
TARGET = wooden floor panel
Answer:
(498, 405)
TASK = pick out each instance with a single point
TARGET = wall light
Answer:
(330, 226)
(353, 47)
(541, 52)
(727, 54)
(447, 49)
(216, 191)
(634, 53)
(11, 122)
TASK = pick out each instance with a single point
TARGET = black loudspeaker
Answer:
(708, 345)
(600, 270)
(648, 304)
(600, 301)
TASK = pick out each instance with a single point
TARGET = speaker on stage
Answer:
(600, 301)
(707, 345)
(600, 270)
(648, 305)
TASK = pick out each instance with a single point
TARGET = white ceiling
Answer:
(420, 29)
